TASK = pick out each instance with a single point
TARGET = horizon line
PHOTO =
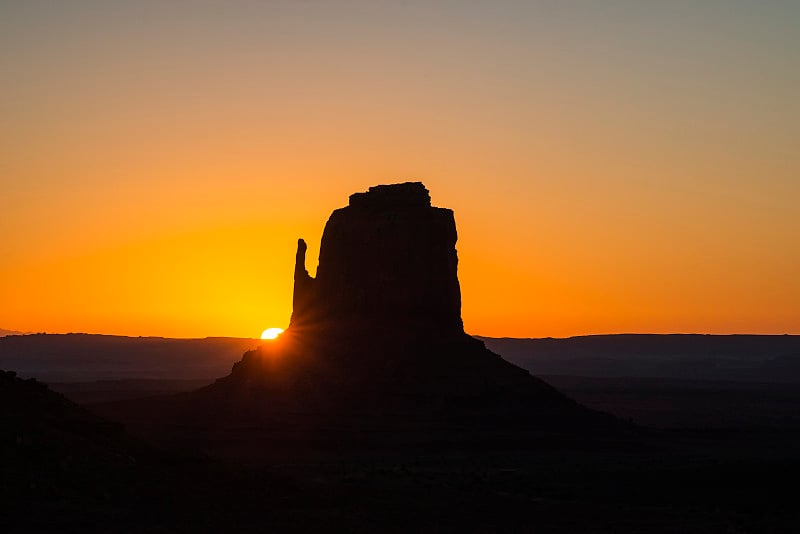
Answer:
(255, 338)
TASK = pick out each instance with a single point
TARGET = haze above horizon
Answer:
(613, 166)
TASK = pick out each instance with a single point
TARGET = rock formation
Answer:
(376, 351)
(387, 265)
(379, 329)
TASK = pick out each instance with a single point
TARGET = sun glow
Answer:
(271, 333)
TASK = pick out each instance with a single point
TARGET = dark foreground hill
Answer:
(63, 468)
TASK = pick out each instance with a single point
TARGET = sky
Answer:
(614, 165)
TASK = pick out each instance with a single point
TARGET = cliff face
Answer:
(387, 264)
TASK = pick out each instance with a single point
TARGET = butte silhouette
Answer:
(376, 352)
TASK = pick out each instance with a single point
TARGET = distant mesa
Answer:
(4, 333)
(375, 351)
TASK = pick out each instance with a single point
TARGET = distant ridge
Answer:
(4, 333)
(735, 357)
(90, 357)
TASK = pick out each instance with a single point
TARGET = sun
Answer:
(271, 333)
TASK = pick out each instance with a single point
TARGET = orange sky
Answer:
(612, 169)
